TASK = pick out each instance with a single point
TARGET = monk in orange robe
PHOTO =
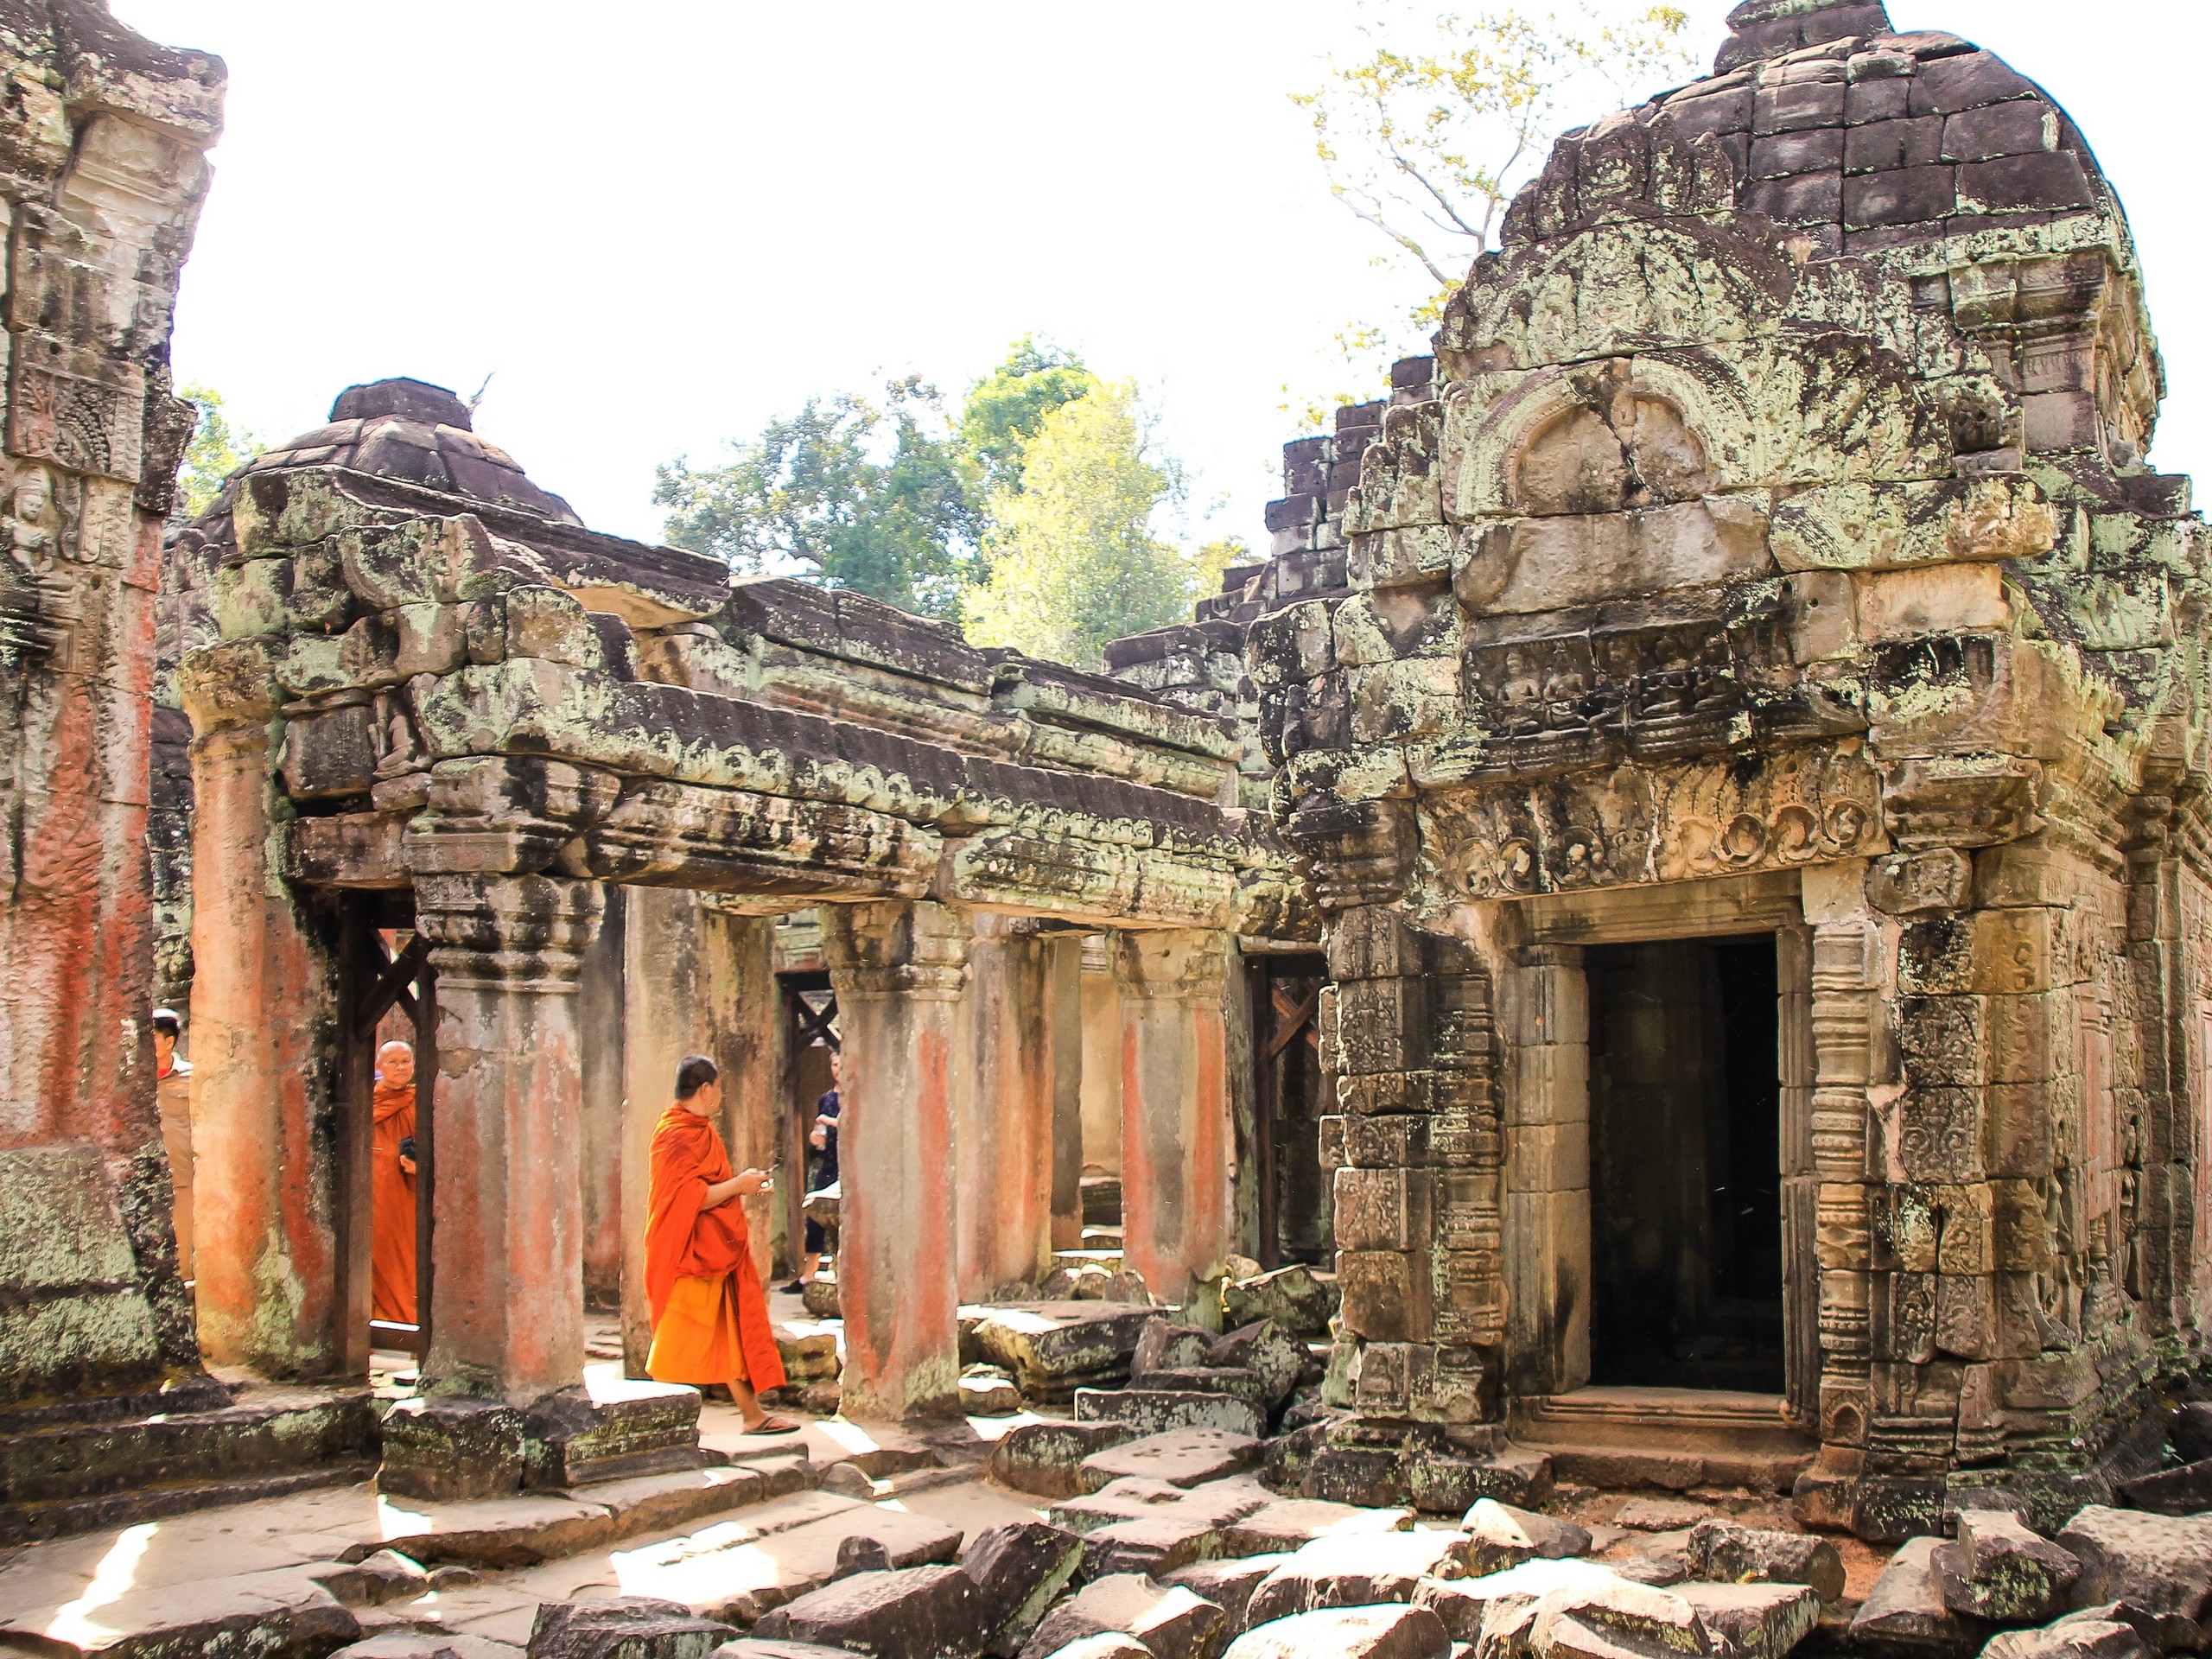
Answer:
(391, 1196)
(710, 1316)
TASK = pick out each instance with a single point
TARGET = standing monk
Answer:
(173, 1091)
(391, 1199)
(710, 1318)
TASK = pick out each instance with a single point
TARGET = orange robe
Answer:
(710, 1316)
(391, 1207)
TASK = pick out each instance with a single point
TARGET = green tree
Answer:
(868, 496)
(218, 449)
(1072, 557)
(1004, 409)
(1428, 136)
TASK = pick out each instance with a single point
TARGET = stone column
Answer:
(599, 1035)
(1176, 1134)
(265, 1215)
(1004, 1137)
(1064, 1034)
(1544, 1012)
(696, 980)
(898, 968)
(506, 1309)
(1102, 1060)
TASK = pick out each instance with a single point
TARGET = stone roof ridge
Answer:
(1763, 29)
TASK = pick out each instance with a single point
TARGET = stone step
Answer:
(1674, 1420)
(1618, 1468)
(267, 1442)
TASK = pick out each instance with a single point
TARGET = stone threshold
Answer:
(1674, 1439)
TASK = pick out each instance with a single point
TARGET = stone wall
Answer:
(101, 177)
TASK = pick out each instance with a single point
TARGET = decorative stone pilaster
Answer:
(1544, 1016)
(1176, 1134)
(506, 1306)
(898, 969)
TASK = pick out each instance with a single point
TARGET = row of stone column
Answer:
(962, 1041)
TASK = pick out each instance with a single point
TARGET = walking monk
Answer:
(391, 1194)
(710, 1318)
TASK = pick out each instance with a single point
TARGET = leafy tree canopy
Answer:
(1073, 559)
(859, 493)
(1004, 409)
(1428, 136)
(218, 449)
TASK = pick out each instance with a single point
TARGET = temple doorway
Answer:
(1685, 1165)
(1294, 1203)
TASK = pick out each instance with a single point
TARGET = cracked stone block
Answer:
(2163, 1564)
(1356, 1569)
(1019, 1570)
(1753, 1621)
(1149, 1411)
(1500, 1535)
(624, 1627)
(1166, 1346)
(1723, 1551)
(1295, 1298)
(921, 1613)
(1347, 1633)
(1045, 1458)
(1172, 1622)
(1998, 1570)
(1905, 1610)
(1613, 1621)
(1264, 1349)
(2069, 1638)
(1462, 1604)
(1227, 1583)
(1186, 1457)
(1107, 1644)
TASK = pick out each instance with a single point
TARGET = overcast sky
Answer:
(655, 226)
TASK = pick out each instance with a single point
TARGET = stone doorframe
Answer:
(1544, 1022)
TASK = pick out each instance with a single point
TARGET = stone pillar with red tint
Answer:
(1004, 1203)
(1177, 1142)
(898, 969)
(506, 1304)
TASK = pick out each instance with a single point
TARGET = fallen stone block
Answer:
(1723, 1552)
(386, 1576)
(1347, 1633)
(1295, 1298)
(1371, 1477)
(846, 1480)
(1227, 1583)
(2088, 1638)
(1157, 1544)
(1500, 1535)
(1292, 1522)
(1753, 1621)
(1462, 1604)
(750, 1646)
(2000, 1571)
(809, 1351)
(1186, 1457)
(1054, 1347)
(920, 1613)
(1613, 1621)
(1155, 1411)
(861, 1553)
(2186, 1490)
(1357, 1570)
(2162, 1564)
(1019, 1570)
(1207, 1379)
(1166, 1346)
(1170, 1620)
(1045, 1459)
(623, 1627)
(1442, 1484)
(517, 1531)
(1134, 1498)
(819, 1298)
(1262, 1349)
(1905, 1610)
(2161, 1632)
(989, 1391)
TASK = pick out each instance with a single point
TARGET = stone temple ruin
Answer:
(1672, 906)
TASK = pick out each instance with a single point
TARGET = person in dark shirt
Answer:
(823, 1171)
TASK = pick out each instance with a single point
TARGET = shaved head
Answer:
(396, 1063)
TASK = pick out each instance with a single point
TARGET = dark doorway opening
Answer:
(810, 1037)
(1685, 1165)
(1295, 1202)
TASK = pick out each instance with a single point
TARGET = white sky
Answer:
(660, 224)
